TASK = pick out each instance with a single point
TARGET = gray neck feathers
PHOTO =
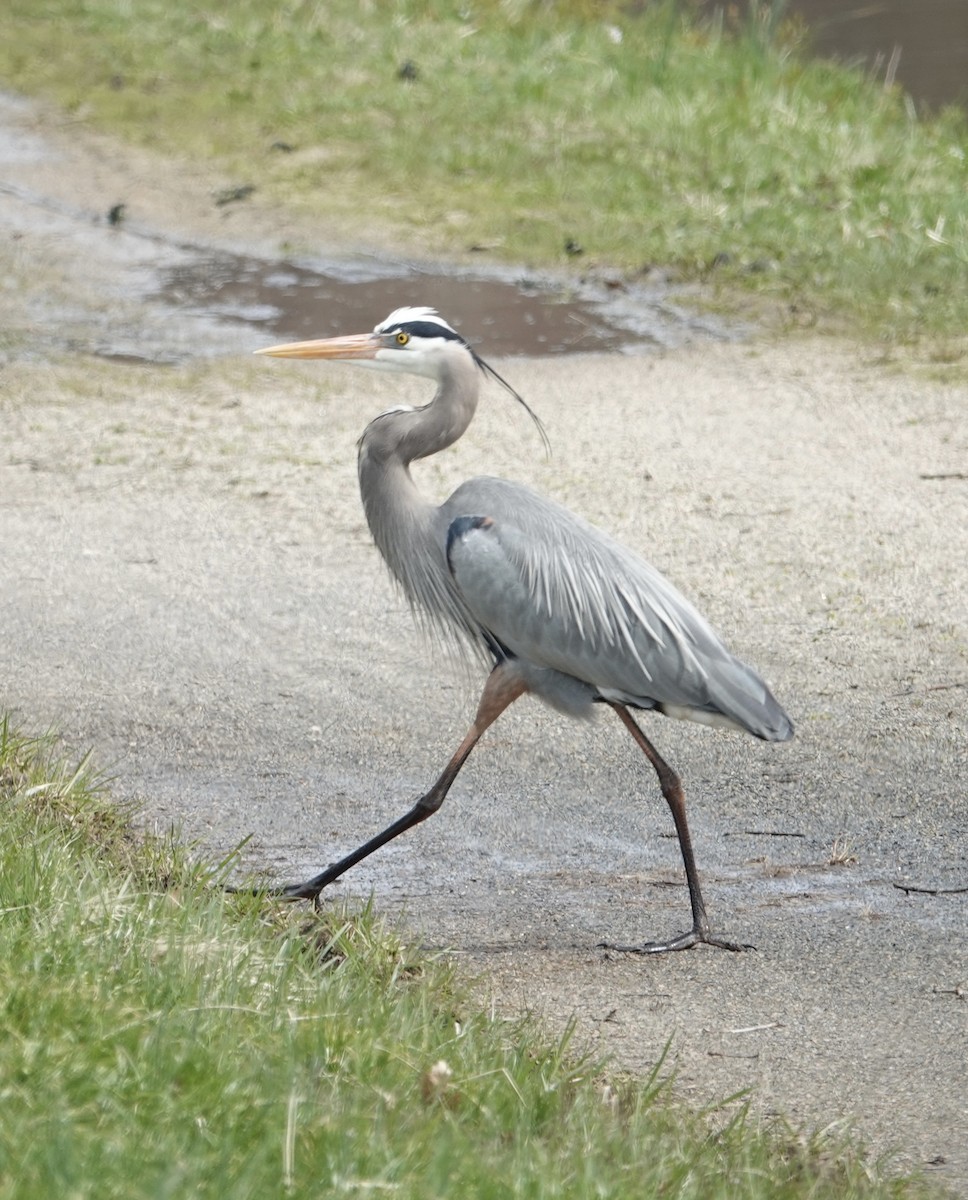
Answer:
(409, 532)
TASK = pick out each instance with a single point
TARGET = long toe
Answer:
(684, 941)
(726, 944)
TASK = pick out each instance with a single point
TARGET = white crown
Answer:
(408, 316)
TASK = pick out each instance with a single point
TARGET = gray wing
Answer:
(561, 594)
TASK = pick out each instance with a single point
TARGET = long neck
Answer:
(404, 525)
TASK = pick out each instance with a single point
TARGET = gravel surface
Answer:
(188, 586)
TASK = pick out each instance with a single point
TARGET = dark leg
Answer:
(503, 687)
(672, 790)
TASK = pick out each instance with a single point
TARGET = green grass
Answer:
(159, 1038)
(645, 136)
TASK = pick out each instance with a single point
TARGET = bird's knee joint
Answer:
(426, 806)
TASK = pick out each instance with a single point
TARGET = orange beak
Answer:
(358, 345)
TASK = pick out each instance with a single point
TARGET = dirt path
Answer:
(188, 586)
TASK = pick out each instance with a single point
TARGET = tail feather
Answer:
(741, 695)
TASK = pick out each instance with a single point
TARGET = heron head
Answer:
(415, 341)
(412, 341)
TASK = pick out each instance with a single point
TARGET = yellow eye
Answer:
(402, 338)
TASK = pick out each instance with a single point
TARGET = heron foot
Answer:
(292, 892)
(684, 941)
(298, 891)
(309, 890)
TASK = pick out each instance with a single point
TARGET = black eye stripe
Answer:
(428, 329)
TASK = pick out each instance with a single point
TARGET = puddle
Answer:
(508, 315)
(923, 46)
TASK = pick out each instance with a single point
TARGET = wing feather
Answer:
(561, 594)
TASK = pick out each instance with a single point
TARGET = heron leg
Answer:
(504, 685)
(671, 787)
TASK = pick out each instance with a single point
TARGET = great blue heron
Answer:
(560, 609)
